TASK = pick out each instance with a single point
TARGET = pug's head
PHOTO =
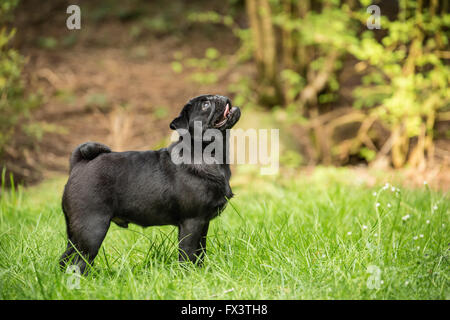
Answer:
(213, 111)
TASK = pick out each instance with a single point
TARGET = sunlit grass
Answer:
(322, 237)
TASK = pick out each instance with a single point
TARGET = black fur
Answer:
(146, 188)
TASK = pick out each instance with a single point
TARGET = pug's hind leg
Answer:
(85, 239)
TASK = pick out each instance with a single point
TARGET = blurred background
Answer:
(375, 100)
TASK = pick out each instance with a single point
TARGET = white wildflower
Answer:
(406, 217)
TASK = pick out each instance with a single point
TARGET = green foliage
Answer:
(6, 10)
(291, 159)
(402, 96)
(294, 83)
(298, 49)
(98, 100)
(36, 130)
(243, 93)
(204, 70)
(161, 112)
(14, 105)
(177, 66)
(367, 154)
(48, 43)
(406, 84)
(207, 70)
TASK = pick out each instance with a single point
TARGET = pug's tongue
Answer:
(227, 110)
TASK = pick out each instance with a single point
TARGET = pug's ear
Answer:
(182, 121)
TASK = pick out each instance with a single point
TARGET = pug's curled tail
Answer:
(87, 151)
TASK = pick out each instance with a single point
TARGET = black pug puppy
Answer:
(148, 188)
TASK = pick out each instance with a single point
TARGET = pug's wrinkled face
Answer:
(213, 111)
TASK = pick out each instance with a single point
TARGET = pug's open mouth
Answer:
(225, 117)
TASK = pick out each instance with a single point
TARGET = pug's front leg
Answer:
(192, 240)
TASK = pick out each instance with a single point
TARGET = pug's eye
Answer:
(206, 105)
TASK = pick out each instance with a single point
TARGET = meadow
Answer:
(325, 236)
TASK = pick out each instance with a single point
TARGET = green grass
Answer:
(302, 238)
